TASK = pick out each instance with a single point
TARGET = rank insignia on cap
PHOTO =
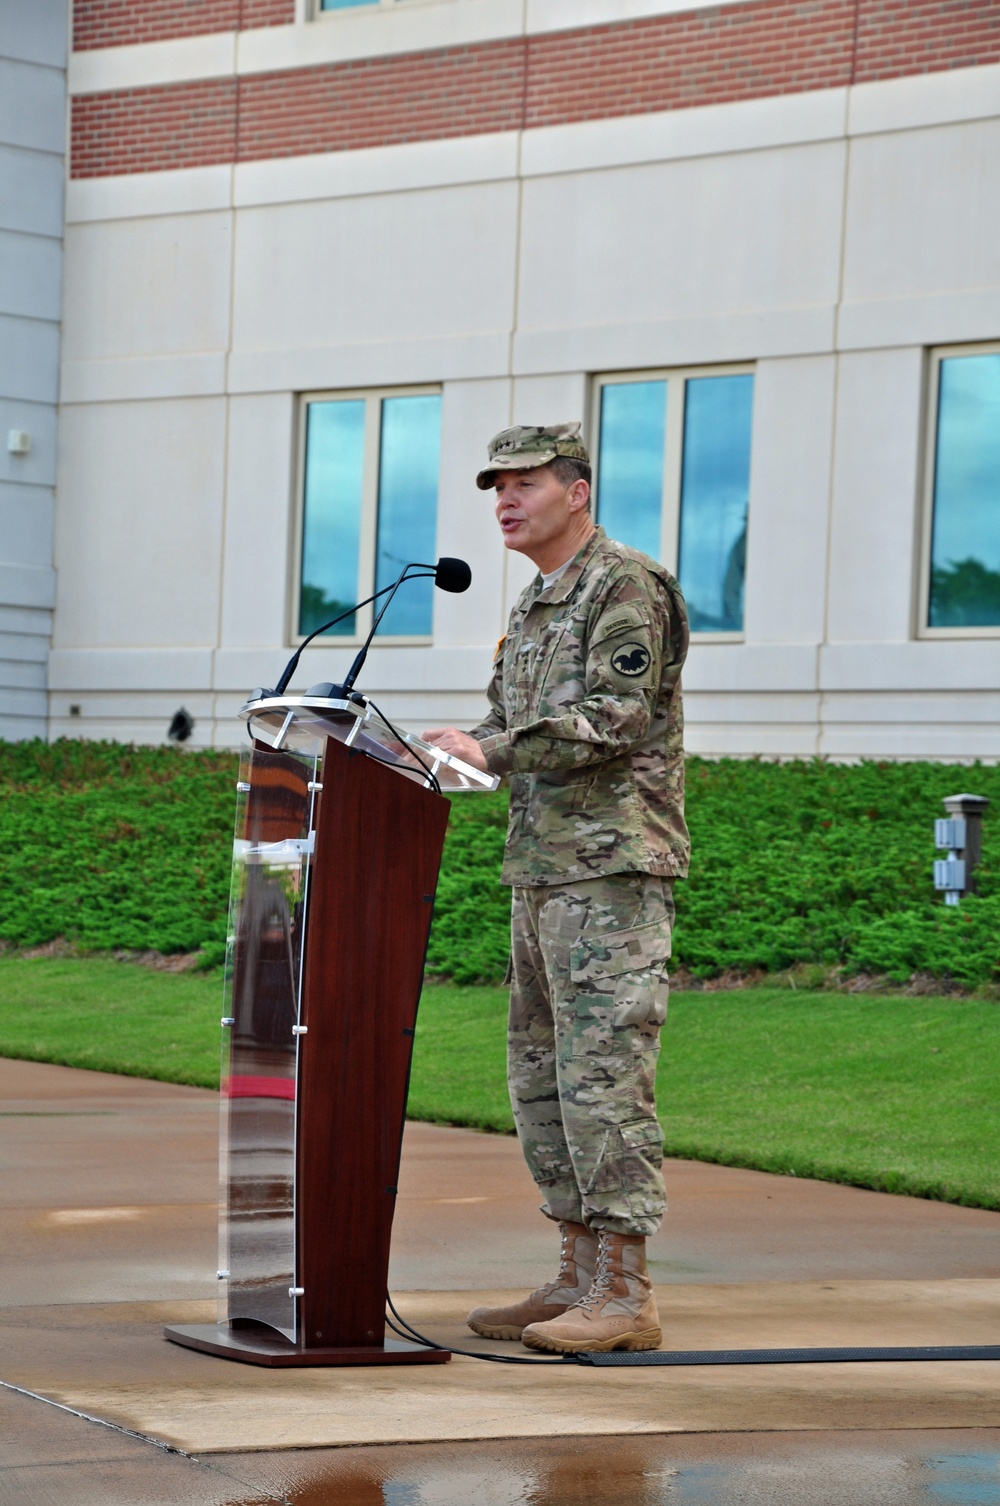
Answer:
(524, 447)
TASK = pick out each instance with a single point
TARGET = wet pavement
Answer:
(107, 1229)
(51, 1458)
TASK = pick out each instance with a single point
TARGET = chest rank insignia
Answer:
(632, 659)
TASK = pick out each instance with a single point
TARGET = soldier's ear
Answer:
(578, 495)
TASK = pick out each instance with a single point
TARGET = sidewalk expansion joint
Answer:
(117, 1427)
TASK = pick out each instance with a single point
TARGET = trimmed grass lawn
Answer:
(898, 1094)
(113, 1017)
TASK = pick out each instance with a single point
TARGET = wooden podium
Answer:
(339, 832)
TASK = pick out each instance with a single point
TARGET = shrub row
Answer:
(115, 847)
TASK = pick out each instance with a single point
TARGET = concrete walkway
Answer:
(107, 1230)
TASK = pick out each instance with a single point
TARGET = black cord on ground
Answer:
(408, 1332)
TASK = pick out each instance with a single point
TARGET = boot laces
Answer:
(600, 1287)
(562, 1275)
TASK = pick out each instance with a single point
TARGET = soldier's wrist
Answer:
(498, 752)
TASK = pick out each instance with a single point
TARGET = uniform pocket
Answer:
(620, 985)
(629, 969)
(626, 1178)
(618, 952)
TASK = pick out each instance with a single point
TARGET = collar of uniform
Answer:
(564, 587)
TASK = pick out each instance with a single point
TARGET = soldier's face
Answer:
(535, 510)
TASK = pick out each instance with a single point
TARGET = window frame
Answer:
(673, 455)
(937, 354)
(317, 13)
(368, 545)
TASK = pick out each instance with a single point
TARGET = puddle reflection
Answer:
(740, 1469)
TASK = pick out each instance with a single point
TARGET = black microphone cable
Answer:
(432, 778)
(393, 763)
(407, 1331)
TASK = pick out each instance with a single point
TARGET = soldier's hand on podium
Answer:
(459, 744)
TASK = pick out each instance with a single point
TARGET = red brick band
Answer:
(716, 56)
(120, 23)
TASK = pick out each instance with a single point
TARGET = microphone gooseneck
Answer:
(362, 654)
(449, 574)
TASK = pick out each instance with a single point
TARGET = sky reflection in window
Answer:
(407, 506)
(965, 536)
(331, 527)
(715, 490)
(630, 463)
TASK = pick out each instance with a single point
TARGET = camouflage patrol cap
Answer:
(522, 448)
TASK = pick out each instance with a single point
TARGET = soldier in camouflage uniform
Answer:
(585, 721)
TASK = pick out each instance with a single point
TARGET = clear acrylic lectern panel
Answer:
(297, 721)
(269, 895)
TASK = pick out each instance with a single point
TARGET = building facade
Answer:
(33, 44)
(316, 255)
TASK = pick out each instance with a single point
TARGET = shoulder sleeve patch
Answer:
(499, 648)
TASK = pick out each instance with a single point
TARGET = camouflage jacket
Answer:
(586, 719)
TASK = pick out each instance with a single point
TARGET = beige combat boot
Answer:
(577, 1263)
(619, 1311)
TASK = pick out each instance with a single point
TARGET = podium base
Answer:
(260, 1345)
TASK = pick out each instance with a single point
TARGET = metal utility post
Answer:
(961, 833)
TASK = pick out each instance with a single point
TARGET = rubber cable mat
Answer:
(786, 1356)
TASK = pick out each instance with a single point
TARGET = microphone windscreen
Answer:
(452, 574)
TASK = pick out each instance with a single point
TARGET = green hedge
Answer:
(833, 864)
(115, 847)
(821, 863)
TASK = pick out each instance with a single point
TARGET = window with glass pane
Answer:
(965, 523)
(673, 479)
(370, 487)
(345, 4)
(407, 506)
(715, 492)
(630, 462)
(331, 525)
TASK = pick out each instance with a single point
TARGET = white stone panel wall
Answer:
(465, 515)
(139, 531)
(257, 538)
(372, 290)
(676, 240)
(876, 496)
(147, 287)
(790, 477)
(924, 213)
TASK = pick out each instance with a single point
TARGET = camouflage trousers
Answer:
(588, 996)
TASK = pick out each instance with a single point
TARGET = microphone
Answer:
(452, 575)
(449, 574)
